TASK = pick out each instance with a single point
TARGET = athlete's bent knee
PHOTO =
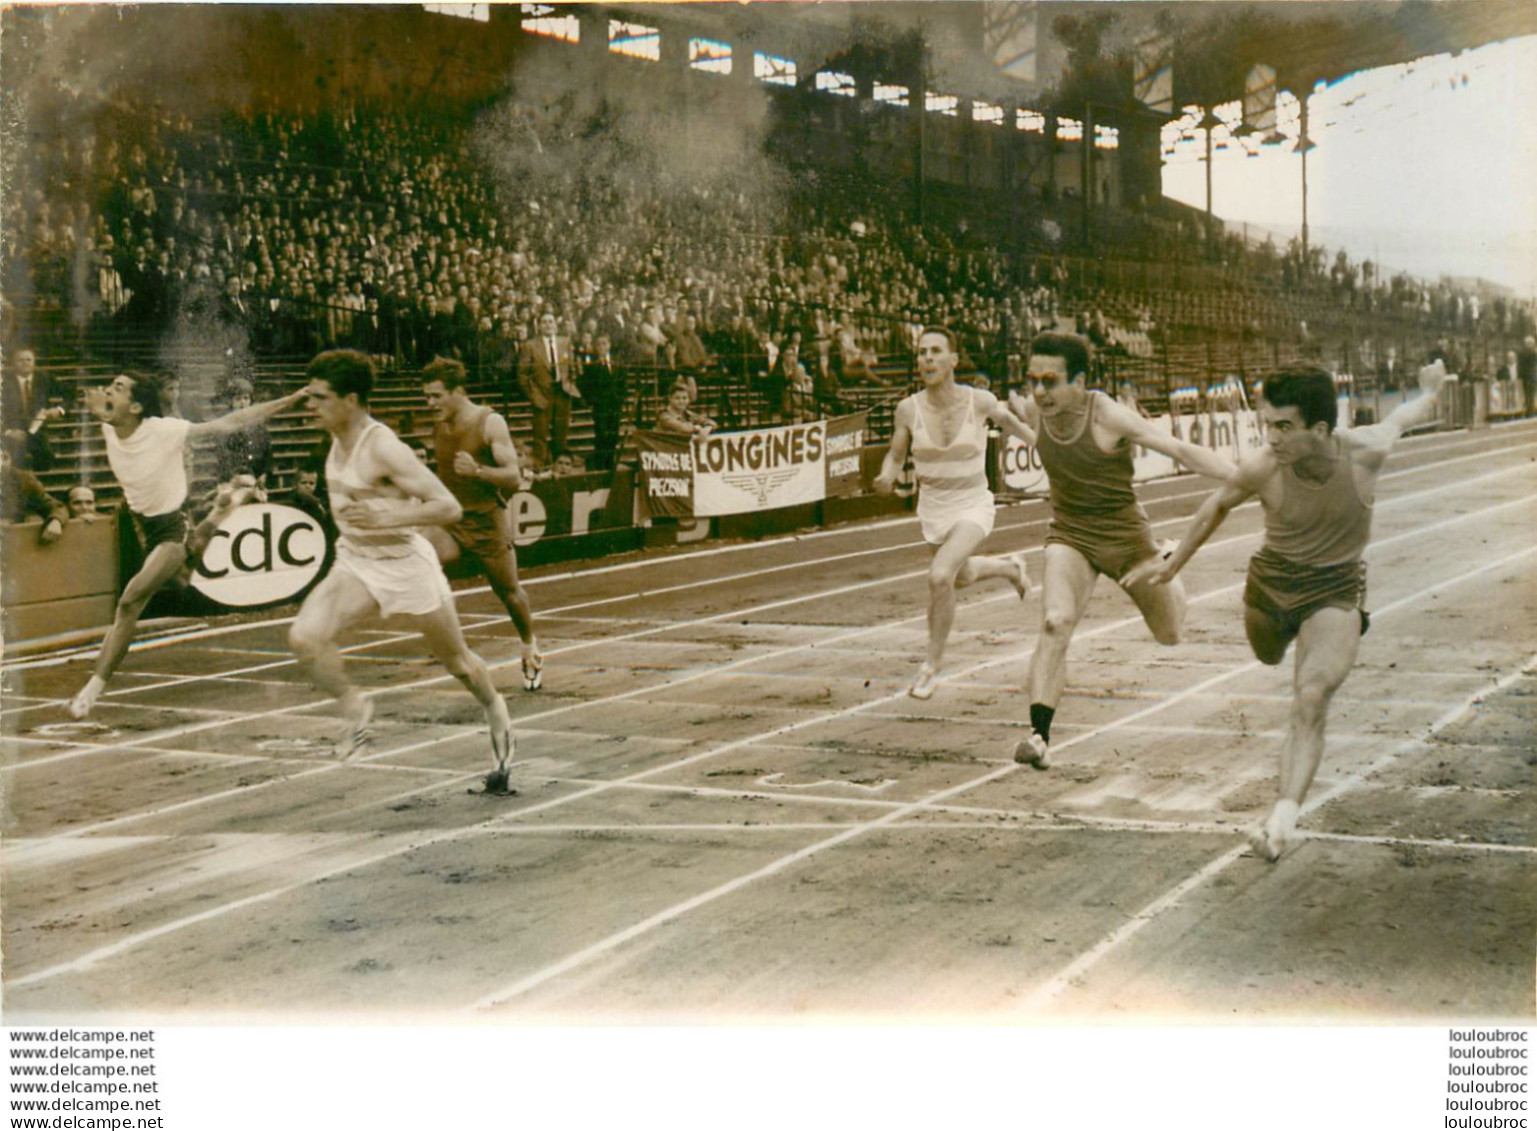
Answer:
(132, 603)
(1058, 624)
(940, 578)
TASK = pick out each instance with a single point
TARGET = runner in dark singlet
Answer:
(477, 462)
(1097, 525)
(1307, 583)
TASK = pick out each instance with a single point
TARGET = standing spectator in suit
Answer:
(546, 378)
(24, 407)
(603, 388)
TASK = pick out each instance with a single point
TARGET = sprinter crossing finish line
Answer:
(1097, 525)
(380, 492)
(1316, 484)
(147, 453)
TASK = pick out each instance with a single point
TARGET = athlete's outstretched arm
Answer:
(246, 417)
(1139, 430)
(1370, 445)
(1420, 410)
(1241, 485)
(1003, 415)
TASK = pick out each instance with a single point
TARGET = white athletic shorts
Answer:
(412, 583)
(939, 510)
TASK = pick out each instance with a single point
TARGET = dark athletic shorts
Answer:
(1112, 543)
(158, 529)
(1289, 593)
(486, 534)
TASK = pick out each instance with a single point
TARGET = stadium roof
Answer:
(1216, 41)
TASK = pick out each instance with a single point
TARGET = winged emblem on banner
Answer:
(761, 484)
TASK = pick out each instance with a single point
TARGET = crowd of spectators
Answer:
(410, 235)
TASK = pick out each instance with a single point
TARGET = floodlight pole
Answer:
(1208, 122)
(1304, 143)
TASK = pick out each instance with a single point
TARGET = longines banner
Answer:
(759, 470)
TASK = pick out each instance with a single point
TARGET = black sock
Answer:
(1040, 719)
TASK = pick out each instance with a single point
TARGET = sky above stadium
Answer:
(1428, 167)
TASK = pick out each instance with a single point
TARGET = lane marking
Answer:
(1044, 994)
(611, 942)
(92, 957)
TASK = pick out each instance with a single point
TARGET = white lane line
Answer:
(619, 938)
(329, 766)
(1044, 994)
(747, 661)
(90, 958)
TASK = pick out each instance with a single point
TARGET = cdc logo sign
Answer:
(261, 555)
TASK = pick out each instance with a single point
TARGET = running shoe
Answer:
(358, 735)
(1031, 751)
(533, 670)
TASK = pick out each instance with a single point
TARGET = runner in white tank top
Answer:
(380, 492)
(944, 427)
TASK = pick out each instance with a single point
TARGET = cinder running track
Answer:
(729, 808)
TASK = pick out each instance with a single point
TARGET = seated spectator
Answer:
(25, 407)
(22, 497)
(827, 390)
(306, 495)
(689, 353)
(790, 388)
(850, 363)
(678, 419)
(568, 464)
(82, 503)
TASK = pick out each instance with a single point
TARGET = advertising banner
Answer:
(262, 554)
(666, 474)
(762, 469)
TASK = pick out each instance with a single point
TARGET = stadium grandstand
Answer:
(768, 174)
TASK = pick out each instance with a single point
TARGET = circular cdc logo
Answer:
(262, 554)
